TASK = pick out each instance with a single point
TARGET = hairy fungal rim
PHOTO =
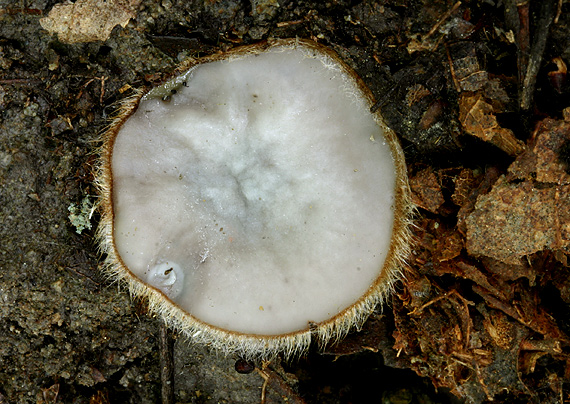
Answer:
(246, 345)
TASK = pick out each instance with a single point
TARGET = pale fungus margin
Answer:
(238, 214)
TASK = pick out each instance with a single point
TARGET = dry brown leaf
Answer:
(88, 20)
(478, 119)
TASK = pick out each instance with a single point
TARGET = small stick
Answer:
(537, 51)
(442, 20)
(273, 380)
(20, 81)
(166, 353)
(452, 70)
(558, 11)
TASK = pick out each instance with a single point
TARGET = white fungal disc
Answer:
(255, 199)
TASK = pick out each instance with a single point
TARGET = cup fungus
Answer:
(255, 200)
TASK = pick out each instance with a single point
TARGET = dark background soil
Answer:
(67, 335)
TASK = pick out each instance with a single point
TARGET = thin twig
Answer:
(558, 11)
(537, 51)
(26, 82)
(523, 38)
(166, 352)
(442, 20)
(273, 380)
(452, 70)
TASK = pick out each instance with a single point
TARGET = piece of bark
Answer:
(516, 220)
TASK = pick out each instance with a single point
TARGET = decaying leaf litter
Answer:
(484, 310)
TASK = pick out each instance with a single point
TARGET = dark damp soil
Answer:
(68, 335)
